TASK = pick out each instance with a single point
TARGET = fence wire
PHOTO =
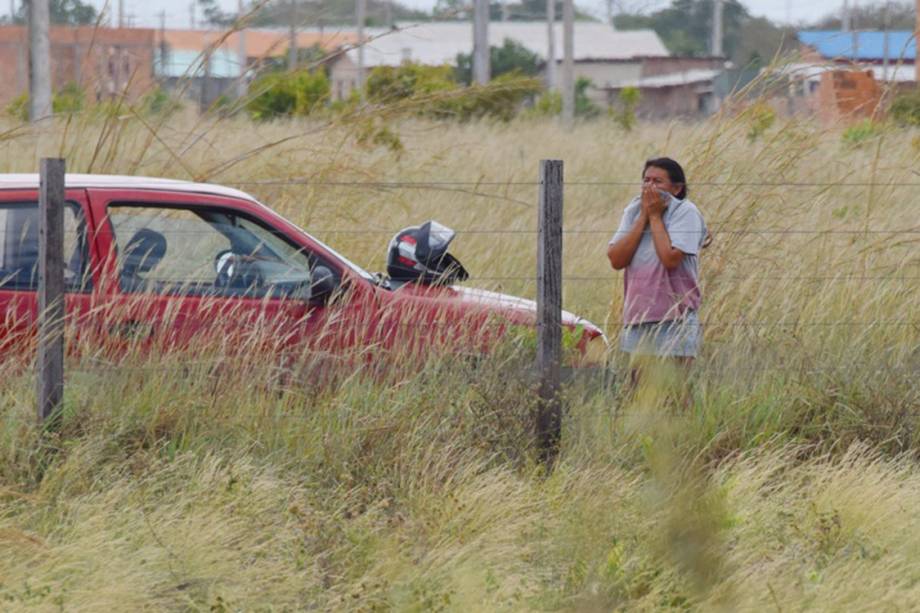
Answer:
(576, 182)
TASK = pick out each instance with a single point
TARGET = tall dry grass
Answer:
(790, 483)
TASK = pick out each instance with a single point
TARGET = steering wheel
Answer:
(236, 271)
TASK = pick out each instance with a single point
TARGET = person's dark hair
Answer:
(674, 170)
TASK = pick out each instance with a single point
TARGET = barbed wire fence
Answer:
(557, 230)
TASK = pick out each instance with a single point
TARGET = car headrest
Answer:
(144, 251)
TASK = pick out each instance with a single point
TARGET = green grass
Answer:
(789, 484)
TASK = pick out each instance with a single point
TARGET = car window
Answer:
(19, 247)
(195, 251)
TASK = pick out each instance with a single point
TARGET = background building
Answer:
(106, 63)
(602, 54)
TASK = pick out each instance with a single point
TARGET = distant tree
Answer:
(529, 10)
(877, 16)
(524, 10)
(685, 28)
(449, 10)
(214, 16)
(64, 12)
(512, 56)
(333, 13)
(761, 40)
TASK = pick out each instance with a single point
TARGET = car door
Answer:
(204, 273)
(19, 266)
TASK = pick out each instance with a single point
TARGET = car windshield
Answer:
(360, 271)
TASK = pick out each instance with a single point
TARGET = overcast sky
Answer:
(146, 12)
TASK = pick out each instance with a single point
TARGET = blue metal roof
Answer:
(869, 45)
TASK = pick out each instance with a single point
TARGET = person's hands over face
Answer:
(653, 204)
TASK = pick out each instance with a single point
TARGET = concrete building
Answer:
(602, 54)
(204, 64)
(107, 63)
(847, 75)
(673, 87)
(890, 55)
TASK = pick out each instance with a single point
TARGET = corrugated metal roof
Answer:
(687, 77)
(439, 43)
(867, 45)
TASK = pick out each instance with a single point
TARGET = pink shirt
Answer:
(654, 293)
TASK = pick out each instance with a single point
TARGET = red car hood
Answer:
(514, 306)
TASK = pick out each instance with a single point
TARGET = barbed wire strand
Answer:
(778, 231)
(576, 182)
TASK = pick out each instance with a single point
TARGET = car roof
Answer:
(30, 181)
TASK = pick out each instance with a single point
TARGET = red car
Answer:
(169, 263)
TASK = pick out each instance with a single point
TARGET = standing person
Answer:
(658, 243)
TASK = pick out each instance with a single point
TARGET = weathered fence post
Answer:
(50, 288)
(549, 309)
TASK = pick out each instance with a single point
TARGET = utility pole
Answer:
(292, 37)
(121, 13)
(481, 66)
(39, 60)
(885, 42)
(191, 13)
(845, 18)
(568, 61)
(849, 16)
(164, 51)
(716, 45)
(242, 56)
(361, 10)
(609, 7)
(917, 33)
(551, 44)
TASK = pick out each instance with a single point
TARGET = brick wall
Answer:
(848, 95)
(105, 62)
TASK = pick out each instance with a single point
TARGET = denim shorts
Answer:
(674, 338)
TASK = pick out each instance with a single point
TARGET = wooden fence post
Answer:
(549, 309)
(50, 288)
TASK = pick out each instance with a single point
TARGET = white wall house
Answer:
(604, 55)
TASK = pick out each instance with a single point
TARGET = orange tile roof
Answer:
(259, 43)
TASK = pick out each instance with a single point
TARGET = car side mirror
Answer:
(323, 285)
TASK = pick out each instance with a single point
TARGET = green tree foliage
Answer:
(905, 109)
(284, 94)
(583, 105)
(861, 132)
(70, 99)
(627, 103)
(390, 84)
(511, 57)
(873, 16)
(524, 10)
(64, 12)
(332, 12)
(550, 103)
(686, 25)
(432, 91)
(214, 15)
(685, 28)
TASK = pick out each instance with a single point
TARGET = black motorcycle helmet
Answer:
(419, 254)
